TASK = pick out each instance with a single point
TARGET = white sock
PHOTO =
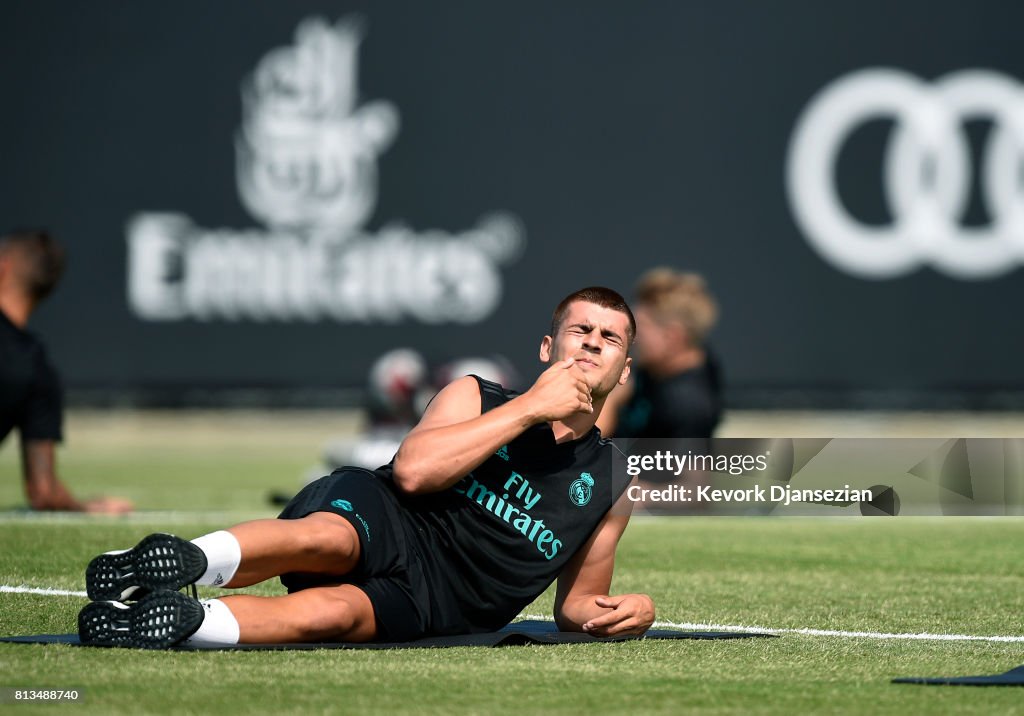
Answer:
(219, 626)
(223, 555)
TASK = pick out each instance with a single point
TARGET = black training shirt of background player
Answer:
(30, 391)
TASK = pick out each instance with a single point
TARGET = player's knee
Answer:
(334, 619)
(329, 536)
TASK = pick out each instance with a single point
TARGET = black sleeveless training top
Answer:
(501, 535)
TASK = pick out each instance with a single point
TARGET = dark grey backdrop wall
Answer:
(439, 174)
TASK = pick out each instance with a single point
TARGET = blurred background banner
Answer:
(268, 196)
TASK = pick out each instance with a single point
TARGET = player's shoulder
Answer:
(470, 393)
(461, 389)
(688, 391)
(22, 350)
(19, 339)
(492, 390)
(458, 401)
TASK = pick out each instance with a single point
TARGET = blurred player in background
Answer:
(675, 390)
(31, 398)
(401, 385)
(395, 391)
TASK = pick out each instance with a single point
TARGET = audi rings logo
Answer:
(926, 174)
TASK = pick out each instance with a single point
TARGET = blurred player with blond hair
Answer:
(675, 389)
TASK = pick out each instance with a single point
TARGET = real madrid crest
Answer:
(580, 490)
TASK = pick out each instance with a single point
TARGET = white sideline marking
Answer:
(823, 632)
(39, 590)
(141, 517)
(9, 589)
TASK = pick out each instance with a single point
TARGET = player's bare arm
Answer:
(454, 437)
(582, 602)
(45, 490)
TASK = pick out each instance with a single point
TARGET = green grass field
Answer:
(902, 575)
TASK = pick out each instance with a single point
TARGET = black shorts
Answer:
(389, 571)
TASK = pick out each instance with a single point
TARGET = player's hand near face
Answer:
(631, 614)
(560, 391)
(454, 436)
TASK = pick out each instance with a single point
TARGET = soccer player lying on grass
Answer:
(490, 497)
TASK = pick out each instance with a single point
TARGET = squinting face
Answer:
(597, 337)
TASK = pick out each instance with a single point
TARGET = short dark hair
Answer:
(44, 261)
(599, 295)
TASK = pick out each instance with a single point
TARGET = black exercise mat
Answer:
(515, 634)
(1013, 677)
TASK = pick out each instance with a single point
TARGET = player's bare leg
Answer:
(318, 614)
(320, 543)
(163, 618)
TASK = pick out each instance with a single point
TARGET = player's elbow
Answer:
(410, 484)
(564, 623)
(409, 475)
(565, 618)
